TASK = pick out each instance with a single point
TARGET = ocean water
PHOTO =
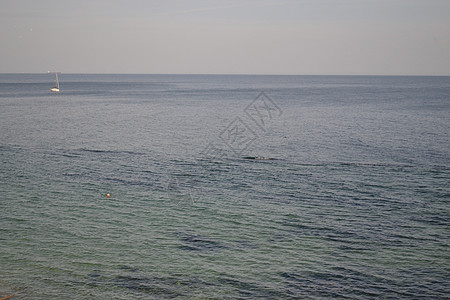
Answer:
(224, 187)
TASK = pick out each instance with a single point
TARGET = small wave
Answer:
(198, 243)
(109, 151)
(259, 158)
(351, 163)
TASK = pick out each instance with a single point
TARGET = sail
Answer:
(56, 88)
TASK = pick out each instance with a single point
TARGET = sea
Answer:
(224, 187)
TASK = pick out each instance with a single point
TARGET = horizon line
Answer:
(229, 74)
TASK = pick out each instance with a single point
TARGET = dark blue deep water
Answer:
(351, 198)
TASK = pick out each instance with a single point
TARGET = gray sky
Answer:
(381, 37)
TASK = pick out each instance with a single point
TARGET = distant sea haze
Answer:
(224, 186)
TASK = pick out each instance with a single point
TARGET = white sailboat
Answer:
(56, 88)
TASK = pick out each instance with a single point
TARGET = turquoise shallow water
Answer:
(354, 202)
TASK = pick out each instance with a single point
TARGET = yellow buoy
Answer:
(108, 195)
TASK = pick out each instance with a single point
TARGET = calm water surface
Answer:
(352, 202)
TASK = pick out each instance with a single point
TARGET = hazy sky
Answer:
(383, 37)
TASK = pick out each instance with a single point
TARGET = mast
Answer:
(57, 81)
